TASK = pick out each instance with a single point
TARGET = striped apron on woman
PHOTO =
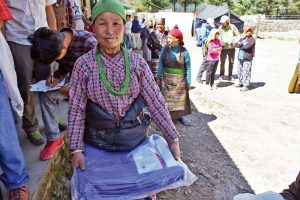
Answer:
(174, 84)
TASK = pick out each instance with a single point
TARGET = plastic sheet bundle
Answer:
(147, 169)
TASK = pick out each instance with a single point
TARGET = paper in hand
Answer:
(42, 87)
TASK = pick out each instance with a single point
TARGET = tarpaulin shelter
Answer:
(216, 12)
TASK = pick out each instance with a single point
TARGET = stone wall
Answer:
(279, 25)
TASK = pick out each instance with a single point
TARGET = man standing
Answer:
(14, 176)
(28, 16)
(203, 34)
(135, 30)
(128, 35)
(79, 24)
(228, 32)
(145, 33)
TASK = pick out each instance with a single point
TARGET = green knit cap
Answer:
(113, 6)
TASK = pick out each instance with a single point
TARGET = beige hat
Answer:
(224, 18)
(211, 22)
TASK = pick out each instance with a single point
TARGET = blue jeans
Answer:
(49, 104)
(11, 157)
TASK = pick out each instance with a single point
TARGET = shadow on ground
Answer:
(218, 176)
(224, 84)
(254, 85)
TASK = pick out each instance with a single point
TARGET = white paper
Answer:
(42, 87)
(146, 159)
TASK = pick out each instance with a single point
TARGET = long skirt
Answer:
(154, 66)
(176, 95)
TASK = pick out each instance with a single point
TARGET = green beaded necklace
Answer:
(124, 87)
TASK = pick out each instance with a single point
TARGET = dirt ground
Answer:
(243, 141)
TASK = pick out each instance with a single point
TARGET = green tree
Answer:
(278, 7)
(185, 4)
(294, 7)
(174, 4)
(154, 5)
(245, 7)
(196, 3)
(230, 3)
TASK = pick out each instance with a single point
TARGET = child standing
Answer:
(245, 57)
(213, 48)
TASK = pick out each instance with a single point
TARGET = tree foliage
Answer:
(240, 7)
(268, 7)
(173, 2)
(229, 3)
(154, 5)
(245, 7)
(196, 3)
(184, 4)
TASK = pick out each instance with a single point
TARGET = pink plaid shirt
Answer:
(86, 84)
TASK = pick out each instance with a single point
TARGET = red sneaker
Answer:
(50, 148)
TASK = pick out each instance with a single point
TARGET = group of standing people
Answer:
(21, 19)
(170, 64)
(218, 44)
(133, 31)
(124, 83)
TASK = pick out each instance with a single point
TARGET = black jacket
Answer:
(247, 44)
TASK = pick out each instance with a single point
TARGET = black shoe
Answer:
(62, 125)
(36, 138)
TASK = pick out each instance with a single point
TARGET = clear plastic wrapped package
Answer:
(146, 170)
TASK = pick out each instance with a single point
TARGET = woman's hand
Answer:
(174, 147)
(65, 89)
(78, 160)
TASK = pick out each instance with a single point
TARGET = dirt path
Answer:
(243, 141)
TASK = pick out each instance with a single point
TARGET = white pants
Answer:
(136, 41)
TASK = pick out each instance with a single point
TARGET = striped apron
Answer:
(154, 66)
(174, 85)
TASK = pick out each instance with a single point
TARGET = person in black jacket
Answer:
(156, 41)
(245, 57)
